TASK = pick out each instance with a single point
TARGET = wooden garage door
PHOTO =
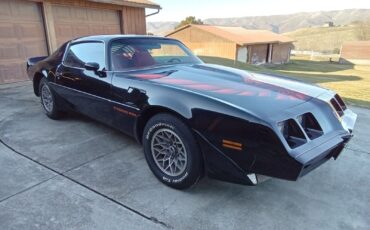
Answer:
(22, 35)
(72, 22)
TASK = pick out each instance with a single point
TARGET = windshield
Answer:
(136, 53)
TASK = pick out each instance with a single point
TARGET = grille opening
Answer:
(310, 125)
(293, 134)
(337, 106)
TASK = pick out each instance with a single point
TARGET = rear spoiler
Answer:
(33, 61)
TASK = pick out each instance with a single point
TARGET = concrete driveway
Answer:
(78, 174)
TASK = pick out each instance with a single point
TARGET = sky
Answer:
(176, 10)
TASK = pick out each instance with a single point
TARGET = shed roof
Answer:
(134, 3)
(240, 35)
(355, 50)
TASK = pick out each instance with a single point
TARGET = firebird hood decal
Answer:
(241, 88)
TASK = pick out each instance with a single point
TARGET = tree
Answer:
(189, 20)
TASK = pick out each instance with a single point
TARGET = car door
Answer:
(87, 89)
(128, 98)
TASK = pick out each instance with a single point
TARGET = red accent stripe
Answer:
(176, 81)
(264, 93)
(246, 93)
(124, 111)
(227, 91)
(203, 87)
(149, 76)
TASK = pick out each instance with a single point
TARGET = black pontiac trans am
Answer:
(194, 119)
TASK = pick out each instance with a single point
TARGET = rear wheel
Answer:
(48, 100)
(172, 152)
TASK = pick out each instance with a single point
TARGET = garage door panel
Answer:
(94, 15)
(109, 17)
(10, 51)
(111, 30)
(61, 13)
(30, 11)
(7, 31)
(70, 23)
(62, 33)
(5, 10)
(22, 33)
(79, 31)
(61, 30)
(14, 10)
(11, 72)
(31, 31)
(31, 49)
(100, 29)
(22, 36)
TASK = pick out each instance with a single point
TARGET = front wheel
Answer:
(172, 152)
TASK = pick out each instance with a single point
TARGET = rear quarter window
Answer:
(81, 53)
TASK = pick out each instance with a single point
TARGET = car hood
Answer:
(266, 94)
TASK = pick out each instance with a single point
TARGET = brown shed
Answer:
(236, 43)
(356, 52)
(37, 27)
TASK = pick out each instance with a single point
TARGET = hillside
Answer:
(277, 23)
(286, 23)
(160, 28)
(328, 39)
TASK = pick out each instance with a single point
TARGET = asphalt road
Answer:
(78, 174)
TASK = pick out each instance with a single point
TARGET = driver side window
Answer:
(81, 53)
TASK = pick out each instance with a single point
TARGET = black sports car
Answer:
(194, 119)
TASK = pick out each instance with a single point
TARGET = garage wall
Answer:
(132, 18)
(30, 28)
(22, 35)
(66, 20)
(203, 43)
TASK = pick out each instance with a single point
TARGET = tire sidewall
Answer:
(191, 172)
(53, 113)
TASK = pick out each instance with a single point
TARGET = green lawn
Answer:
(331, 38)
(352, 82)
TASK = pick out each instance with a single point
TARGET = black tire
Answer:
(192, 169)
(52, 110)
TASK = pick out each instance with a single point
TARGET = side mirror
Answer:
(93, 66)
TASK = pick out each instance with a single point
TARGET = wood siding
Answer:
(21, 36)
(206, 44)
(30, 28)
(357, 50)
(133, 20)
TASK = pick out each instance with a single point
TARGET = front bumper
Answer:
(280, 162)
(314, 153)
(320, 154)
(330, 149)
